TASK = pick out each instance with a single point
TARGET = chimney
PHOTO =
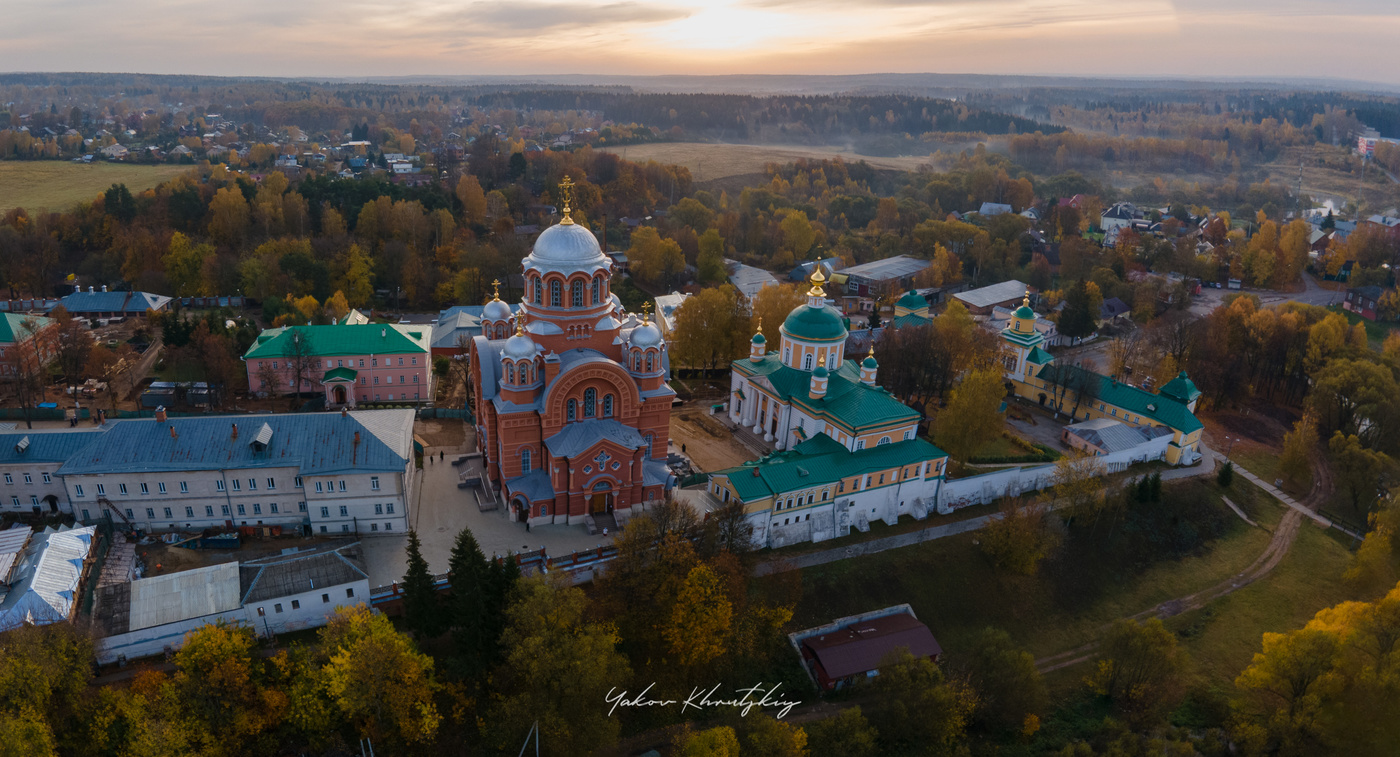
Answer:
(173, 435)
(90, 289)
(357, 438)
(160, 414)
(344, 413)
(355, 451)
(104, 287)
(383, 333)
(235, 431)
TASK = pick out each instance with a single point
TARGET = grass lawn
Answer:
(1376, 331)
(955, 590)
(60, 184)
(1223, 637)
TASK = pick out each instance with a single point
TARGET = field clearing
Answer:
(708, 161)
(60, 184)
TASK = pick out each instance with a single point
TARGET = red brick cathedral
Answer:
(572, 406)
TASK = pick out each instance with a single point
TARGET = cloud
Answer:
(540, 16)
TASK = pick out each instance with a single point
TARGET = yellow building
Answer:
(1086, 395)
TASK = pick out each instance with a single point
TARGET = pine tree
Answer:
(1226, 476)
(420, 601)
(1154, 487)
(471, 606)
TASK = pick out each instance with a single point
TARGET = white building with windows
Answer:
(29, 463)
(346, 472)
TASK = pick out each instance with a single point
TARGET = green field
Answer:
(60, 184)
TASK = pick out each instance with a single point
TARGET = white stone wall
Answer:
(148, 642)
(315, 608)
(836, 517)
(983, 489)
(17, 488)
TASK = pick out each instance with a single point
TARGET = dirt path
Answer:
(708, 443)
(1273, 554)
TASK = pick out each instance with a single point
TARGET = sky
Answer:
(1351, 39)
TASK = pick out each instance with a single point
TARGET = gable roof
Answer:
(1114, 436)
(577, 437)
(43, 446)
(847, 400)
(994, 294)
(1112, 308)
(286, 575)
(888, 268)
(46, 582)
(1162, 409)
(347, 339)
(861, 646)
(14, 329)
(78, 303)
(314, 442)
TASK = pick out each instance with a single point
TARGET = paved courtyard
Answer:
(443, 510)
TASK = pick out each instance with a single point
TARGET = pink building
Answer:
(350, 364)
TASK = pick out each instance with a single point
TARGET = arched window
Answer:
(578, 294)
(510, 374)
(539, 290)
(573, 410)
(525, 462)
(883, 440)
(590, 402)
(807, 362)
(831, 360)
(787, 355)
(637, 361)
(648, 440)
(555, 292)
(544, 510)
(597, 288)
(649, 362)
(607, 405)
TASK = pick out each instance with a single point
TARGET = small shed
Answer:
(850, 652)
(159, 393)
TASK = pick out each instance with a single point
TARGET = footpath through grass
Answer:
(1154, 552)
(60, 184)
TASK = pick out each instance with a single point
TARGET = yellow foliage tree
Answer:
(699, 628)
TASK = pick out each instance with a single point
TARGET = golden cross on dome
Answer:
(817, 279)
(760, 324)
(496, 284)
(646, 312)
(1027, 300)
(566, 188)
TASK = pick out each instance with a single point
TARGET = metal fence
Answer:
(461, 413)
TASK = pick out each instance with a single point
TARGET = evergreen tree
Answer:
(481, 590)
(1154, 487)
(1077, 320)
(1226, 476)
(420, 600)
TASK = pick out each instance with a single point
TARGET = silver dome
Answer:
(645, 335)
(567, 243)
(496, 311)
(520, 347)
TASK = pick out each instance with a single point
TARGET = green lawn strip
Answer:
(1223, 637)
(1376, 331)
(954, 589)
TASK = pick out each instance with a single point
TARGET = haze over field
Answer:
(1350, 39)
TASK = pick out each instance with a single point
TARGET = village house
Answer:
(1364, 301)
(986, 299)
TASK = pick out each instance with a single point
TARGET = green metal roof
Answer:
(911, 319)
(350, 339)
(912, 300)
(1039, 357)
(12, 325)
(847, 401)
(759, 339)
(1163, 409)
(818, 324)
(1024, 312)
(1180, 388)
(822, 460)
(340, 374)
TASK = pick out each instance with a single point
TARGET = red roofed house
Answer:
(854, 650)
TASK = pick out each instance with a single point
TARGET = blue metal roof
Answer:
(578, 437)
(113, 302)
(44, 446)
(316, 443)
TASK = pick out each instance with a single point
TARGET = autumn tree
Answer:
(1020, 538)
(378, 679)
(184, 265)
(1078, 484)
(711, 328)
(918, 706)
(848, 734)
(972, 417)
(473, 200)
(221, 688)
(337, 307)
(71, 345)
(1357, 470)
(44, 677)
(23, 365)
(1299, 446)
(766, 736)
(228, 216)
(720, 741)
(699, 625)
(1139, 668)
(710, 261)
(1010, 691)
(654, 259)
(559, 666)
(772, 305)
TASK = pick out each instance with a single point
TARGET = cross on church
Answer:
(566, 188)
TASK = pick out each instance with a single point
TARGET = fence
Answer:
(459, 413)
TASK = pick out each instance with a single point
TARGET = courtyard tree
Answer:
(422, 612)
(972, 417)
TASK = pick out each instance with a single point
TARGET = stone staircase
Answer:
(596, 522)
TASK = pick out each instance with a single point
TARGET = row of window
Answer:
(576, 292)
(379, 509)
(590, 405)
(296, 603)
(373, 363)
(28, 478)
(234, 484)
(345, 528)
